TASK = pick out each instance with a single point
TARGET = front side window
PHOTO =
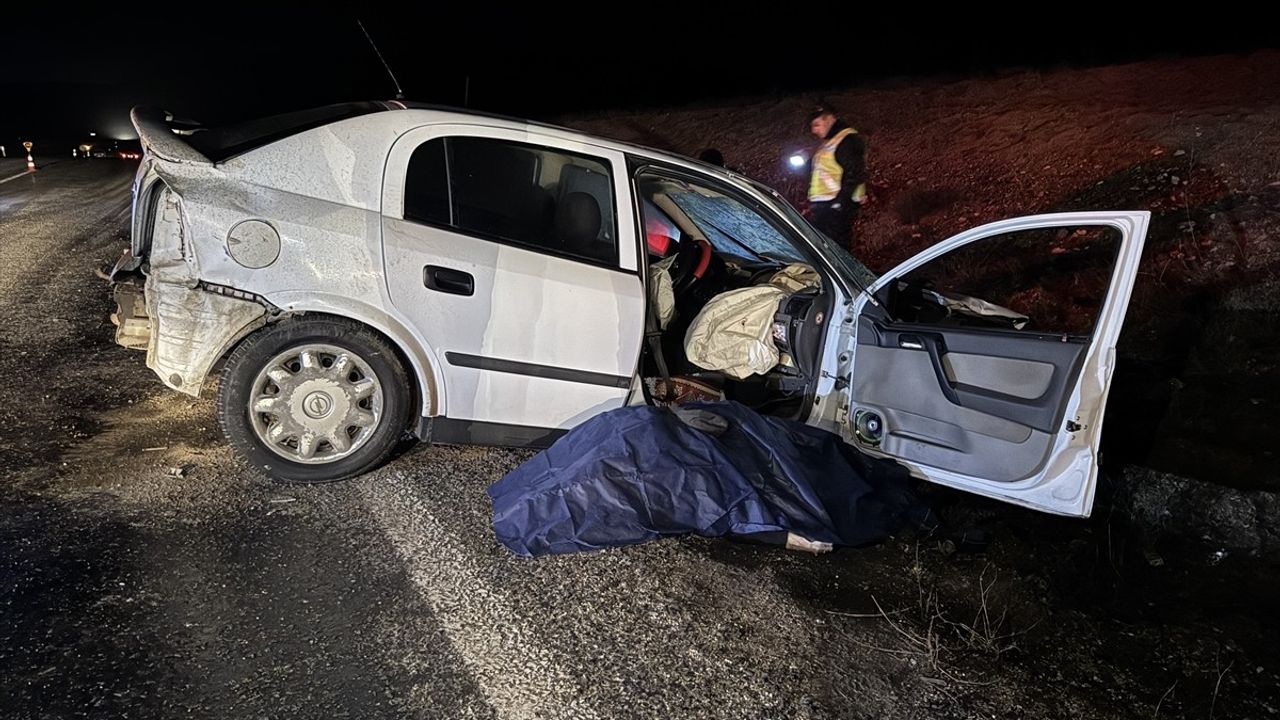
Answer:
(1045, 280)
(848, 265)
(516, 193)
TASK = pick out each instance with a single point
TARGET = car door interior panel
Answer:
(971, 400)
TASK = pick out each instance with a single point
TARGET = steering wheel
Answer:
(692, 259)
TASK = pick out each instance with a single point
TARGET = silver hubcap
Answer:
(315, 403)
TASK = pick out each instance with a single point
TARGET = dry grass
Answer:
(937, 636)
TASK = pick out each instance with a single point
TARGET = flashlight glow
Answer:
(797, 161)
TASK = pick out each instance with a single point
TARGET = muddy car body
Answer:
(366, 269)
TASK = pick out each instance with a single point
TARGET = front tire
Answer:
(314, 400)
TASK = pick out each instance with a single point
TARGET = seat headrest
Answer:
(577, 224)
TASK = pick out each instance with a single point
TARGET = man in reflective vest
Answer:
(837, 185)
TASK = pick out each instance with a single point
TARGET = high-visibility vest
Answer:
(824, 184)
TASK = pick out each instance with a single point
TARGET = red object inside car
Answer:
(656, 237)
(703, 261)
(661, 243)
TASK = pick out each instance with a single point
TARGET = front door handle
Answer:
(936, 346)
(448, 280)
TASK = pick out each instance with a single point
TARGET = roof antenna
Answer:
(399, 93)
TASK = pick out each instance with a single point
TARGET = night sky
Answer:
(66, 73)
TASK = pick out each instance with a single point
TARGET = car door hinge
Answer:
(1073, 426)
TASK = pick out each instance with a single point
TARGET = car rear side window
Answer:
(426, 196)
(528, 195)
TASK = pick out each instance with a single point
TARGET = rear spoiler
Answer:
(162, 136)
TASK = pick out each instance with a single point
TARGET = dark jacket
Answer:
(851, 153)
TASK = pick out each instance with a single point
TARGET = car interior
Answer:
(711, 243)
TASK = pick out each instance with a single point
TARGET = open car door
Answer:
(984, 362)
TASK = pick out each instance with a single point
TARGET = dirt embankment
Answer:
(1195, 141)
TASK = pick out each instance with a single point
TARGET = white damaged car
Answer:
(367, 269)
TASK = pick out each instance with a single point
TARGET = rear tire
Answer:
(314, 400)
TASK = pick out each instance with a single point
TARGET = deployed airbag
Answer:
(639, 473)
(796, 277)
(733, 332)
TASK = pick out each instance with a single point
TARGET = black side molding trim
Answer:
(447, 431)
(543, 371)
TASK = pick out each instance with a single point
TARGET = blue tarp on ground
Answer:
(638, 473)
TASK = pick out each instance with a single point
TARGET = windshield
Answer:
(731, 227)
(845, 262)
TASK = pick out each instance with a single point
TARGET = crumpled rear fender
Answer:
(191, 327)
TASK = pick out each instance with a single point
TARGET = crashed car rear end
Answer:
(178, 310)
(204, 220)
(199, 319)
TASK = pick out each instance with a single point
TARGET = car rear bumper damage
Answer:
(184, 325)
(184, 330)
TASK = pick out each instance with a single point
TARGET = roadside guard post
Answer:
(31, 164)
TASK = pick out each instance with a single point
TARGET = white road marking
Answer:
(15, 177)
(520, 678)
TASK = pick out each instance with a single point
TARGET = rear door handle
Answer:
(448, 280)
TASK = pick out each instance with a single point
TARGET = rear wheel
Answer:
(314, 400)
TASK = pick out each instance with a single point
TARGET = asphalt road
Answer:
(144, 574)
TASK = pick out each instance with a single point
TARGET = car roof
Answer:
(466, 115)
(221, 143)
(288, 152)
